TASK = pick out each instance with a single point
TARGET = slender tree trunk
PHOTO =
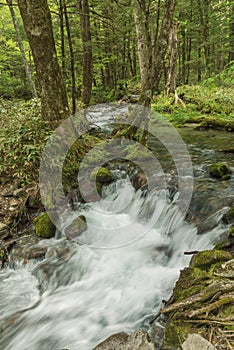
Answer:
(162, 42)
(28, 71)
(199, 62)
(61, 16)
(204, 29)
(172, 72)
(144, 44)
(72, 60)
(83, 6)
(231, 35)
(38, 26)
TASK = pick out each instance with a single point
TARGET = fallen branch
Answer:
(224, 299)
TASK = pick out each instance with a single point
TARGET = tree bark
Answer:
(172, 72)
(83, 6)
(62, 45)
(162, 42)
(72, 60)
(231, 35)
(38, 27)
(144, 43)
(22, 51)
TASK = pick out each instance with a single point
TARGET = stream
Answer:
(82, 293)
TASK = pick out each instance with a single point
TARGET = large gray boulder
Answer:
(139, 340)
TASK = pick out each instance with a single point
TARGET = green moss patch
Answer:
(44, 226)
(220, 171)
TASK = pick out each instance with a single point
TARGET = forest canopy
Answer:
(99, 45)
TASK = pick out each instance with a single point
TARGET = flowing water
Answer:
(83, 291)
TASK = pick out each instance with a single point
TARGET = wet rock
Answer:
(220, 171)
(138, 340)
(228, 218)
(156, 333)
(77, 227)
(3, 256)
(139, 181)
(87, 192)
(102, 175)
(197, 342)
(4, 230)
(44, 226)
(28, 252)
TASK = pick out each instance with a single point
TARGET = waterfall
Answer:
(113, 278)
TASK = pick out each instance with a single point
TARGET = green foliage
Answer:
(13, 82)
(225, 78)
(212, 107)
(22, 137)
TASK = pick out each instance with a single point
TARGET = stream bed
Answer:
(124, 265)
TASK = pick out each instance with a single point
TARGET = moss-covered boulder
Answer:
(102, 175)
(76, 228)
(44, 226)
(207, 258)
(220, 171)
(202, 296)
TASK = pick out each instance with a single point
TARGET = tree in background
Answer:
(28, 71)
(87, 80)
(38, 27)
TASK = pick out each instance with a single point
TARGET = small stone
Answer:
(20, 192)
(14, 203)
(3, 227)
(197, 342)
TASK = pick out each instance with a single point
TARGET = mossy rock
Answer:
(207, 258)
(77, 227)
(102, 175)
(220, 171)
(44, 226)
(228, 218)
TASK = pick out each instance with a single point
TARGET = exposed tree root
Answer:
(213, 291)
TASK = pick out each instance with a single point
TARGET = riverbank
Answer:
(21, 203)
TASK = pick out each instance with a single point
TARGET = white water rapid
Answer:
(81, 293)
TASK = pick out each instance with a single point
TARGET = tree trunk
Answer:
(61, 16)
(72, 60)
(172, 72)
(83, 6)
(38, 26)
(144, 44)
(231, 53)
(28, 71)
(162, 42)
